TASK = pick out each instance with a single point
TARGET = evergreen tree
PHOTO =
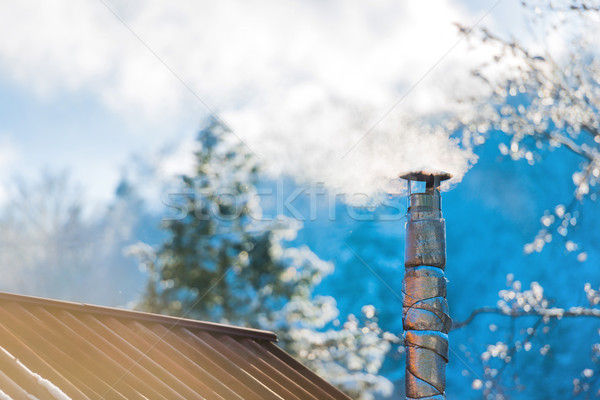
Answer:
(221, 262)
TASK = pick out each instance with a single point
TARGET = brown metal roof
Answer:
(59, 350)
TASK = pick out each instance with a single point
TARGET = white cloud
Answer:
(299, 81)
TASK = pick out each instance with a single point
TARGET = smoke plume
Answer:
(332, 91)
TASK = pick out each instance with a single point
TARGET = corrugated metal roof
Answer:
(59, 350)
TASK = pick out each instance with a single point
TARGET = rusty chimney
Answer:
(425, 316)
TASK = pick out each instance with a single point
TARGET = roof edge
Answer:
(142, 316)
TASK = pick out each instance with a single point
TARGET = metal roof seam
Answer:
(204, 362)
(148, 381)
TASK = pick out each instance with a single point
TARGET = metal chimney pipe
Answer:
(425, 316)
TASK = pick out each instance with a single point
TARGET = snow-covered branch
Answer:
(549, 313)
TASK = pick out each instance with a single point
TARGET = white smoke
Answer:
(305, 84)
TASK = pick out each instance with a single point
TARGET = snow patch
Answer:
(46, 384)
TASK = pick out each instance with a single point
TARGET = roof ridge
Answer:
(142, 316)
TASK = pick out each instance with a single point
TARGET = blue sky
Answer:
(78, 91)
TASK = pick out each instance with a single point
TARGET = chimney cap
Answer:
(426, 175)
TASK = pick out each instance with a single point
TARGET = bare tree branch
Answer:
(557, 313)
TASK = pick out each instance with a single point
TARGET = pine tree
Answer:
(221, 262)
